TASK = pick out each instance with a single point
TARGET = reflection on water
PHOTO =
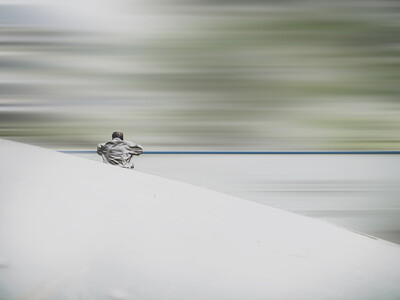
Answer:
(359, 192)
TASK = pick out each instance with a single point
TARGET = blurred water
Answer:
(359, 192)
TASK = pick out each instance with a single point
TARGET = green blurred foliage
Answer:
(204, 75)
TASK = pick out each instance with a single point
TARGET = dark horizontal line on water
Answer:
(243, 152)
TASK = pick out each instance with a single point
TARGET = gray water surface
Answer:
(359, 192)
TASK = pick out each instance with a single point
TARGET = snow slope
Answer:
(72, 228)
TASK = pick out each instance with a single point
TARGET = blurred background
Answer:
(199, 74)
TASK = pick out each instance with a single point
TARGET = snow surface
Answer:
(72, 228)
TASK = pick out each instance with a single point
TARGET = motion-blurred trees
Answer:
(205, 74)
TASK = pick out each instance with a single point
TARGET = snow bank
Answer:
(72, 228)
